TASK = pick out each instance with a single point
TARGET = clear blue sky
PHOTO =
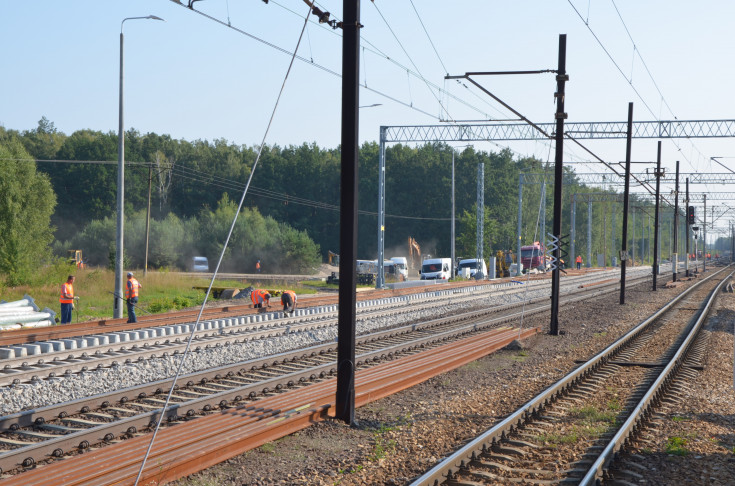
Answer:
(193, 78)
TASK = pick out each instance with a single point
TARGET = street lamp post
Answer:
(117, 307)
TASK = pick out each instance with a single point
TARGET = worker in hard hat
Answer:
(66, 299)
(131, 296)
(260, 297)
(288, 299)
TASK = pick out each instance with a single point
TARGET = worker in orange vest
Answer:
(131, 296)
(579, 262)
(259, 297)
(288, 299)
(257, 266)
(67, 299)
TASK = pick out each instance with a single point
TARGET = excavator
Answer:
(333, 257)
(75, 258)
(414, 248)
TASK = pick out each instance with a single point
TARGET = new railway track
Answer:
(572, 431)
(68, 331)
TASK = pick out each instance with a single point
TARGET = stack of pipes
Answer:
(24, 313)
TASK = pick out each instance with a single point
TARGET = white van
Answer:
(199, 264)
(436, 269)
(401, 266)
(472, 265)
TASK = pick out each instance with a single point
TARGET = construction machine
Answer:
(333, 257)
(501, 264)
(75, 258)
(414, 248)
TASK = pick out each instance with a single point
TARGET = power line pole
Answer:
(148, 219)
(626, 195)
(453, 210)
(675, 232)
(560, 115)
(686, 226)
(704, 237)
(655, 218)
(345, 399)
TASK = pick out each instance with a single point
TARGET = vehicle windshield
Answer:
(401, 266)
(200, 260)
(533, 252)
(468, 265)
(431, 267)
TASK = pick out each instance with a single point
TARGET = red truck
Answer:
(533, 256)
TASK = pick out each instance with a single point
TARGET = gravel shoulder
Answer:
(401, 436)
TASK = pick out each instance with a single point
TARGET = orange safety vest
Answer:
(579, 259)
(132, 290)
(257, 265)
(67, 293)
(258, 296)
(291, 293)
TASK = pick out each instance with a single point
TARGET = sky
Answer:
(215, 72)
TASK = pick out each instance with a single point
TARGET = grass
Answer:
(160, 292)
(321, 284)
(677, 446)
(381, 447)
(591, 415)
(268, 447)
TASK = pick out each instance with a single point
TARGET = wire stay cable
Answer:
(222, 255)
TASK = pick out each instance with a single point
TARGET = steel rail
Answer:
(190, 447)
(30, 335)
(653, 394)
(454, 462)
(128, 426)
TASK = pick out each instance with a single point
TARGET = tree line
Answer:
(291, 215)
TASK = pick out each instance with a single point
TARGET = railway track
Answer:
(571, 432)
(34, 436)
(112, 349)
(69, 331)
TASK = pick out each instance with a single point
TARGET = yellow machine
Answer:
(333, 258)
(501, 265)
(75, 258)
(414, 248)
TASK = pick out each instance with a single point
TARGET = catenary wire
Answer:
(640, 97)
(400, 44)
(429, 37)
(377, 51)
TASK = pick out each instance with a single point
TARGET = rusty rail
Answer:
(192, 446)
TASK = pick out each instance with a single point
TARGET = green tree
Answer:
(466, 245)
(26, 204)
